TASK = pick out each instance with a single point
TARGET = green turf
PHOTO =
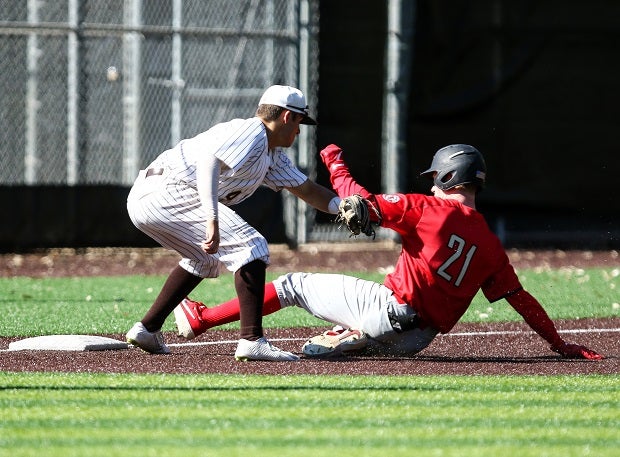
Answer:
(80, 414)
(92, 415)
(112, 304)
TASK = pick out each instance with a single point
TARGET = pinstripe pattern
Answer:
(168, 209)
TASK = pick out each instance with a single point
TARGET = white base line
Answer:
(456, 334)
(529, 332)
(512, 332)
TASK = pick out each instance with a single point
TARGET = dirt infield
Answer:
(508, 349)
(472, 349)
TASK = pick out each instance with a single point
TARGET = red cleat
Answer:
(188, 317)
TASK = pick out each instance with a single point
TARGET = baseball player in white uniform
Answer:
(182, 200)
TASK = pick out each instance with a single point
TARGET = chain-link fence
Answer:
(92, 90)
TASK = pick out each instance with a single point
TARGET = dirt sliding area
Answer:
(470, 349)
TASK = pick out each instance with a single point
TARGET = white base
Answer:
(68, 343)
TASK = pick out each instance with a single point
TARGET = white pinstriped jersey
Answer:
(167, 207)
(241, 144)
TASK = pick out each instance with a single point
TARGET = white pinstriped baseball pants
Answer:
(353, 303)
(171, 214)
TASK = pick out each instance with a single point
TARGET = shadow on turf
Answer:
(455, 360)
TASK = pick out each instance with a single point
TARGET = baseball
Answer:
(112, 74)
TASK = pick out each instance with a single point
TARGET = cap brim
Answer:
(307, 120)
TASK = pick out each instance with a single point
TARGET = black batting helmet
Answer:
(457, 164)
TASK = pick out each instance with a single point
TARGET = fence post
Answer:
(397, 68)
(73, 94)
(31, 159)
(176, 73)
(132, 86)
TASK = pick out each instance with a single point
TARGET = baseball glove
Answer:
(354, 212)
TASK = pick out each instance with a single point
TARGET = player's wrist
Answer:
(334, 204)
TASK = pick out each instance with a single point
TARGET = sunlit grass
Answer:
(57, 414)
(92, 305)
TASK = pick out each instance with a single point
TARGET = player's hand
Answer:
(212, 237)
(575, 351)
(332, 157)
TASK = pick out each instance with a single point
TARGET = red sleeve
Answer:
(345, 186)
(535, 316)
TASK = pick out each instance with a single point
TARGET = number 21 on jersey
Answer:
(457, 243)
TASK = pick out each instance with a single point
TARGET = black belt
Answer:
(154, 172)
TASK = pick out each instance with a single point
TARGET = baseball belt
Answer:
(154, 172)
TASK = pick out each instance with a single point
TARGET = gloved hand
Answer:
(575, 351)
(332, 157)
(353, 212)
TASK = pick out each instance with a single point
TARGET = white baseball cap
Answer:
(290, 98)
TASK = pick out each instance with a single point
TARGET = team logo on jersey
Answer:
(391, 198)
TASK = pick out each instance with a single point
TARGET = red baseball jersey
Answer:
(448, 253)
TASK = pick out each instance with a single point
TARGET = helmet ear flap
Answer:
(442, 179)
(457, 164)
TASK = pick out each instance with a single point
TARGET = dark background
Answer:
(532, 84)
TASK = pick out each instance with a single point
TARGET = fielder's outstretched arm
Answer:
(317, 196)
